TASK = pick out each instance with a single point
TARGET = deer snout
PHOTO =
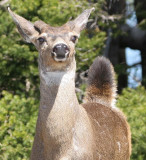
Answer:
(60, 52)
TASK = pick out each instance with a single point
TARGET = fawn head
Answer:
(56, 45)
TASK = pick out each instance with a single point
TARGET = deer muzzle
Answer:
(60, 52)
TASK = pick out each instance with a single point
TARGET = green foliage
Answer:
(141, 13)
(133, 103)
(17, 122)
(88, 48)
(18, 60)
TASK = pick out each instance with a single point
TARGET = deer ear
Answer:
(25, 27)
(80, 22)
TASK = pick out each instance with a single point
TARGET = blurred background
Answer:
(116, 29)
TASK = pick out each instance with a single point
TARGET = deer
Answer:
(65, 129)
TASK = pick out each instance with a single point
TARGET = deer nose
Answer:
(60, 51)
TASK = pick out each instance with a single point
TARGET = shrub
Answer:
(133, 104)
(17, 126)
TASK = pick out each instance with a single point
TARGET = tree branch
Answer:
(3, 2)
(133, 37)
(131, 66)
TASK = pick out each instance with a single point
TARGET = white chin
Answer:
(60, 60)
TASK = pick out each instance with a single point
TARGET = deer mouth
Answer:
(60, 58)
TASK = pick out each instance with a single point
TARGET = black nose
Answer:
(60, 51)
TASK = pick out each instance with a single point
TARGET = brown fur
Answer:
(66, 130)
(111, 132)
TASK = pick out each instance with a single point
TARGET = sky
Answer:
(132, 57)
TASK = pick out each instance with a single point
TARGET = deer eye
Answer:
(41, 40)
(74, 38)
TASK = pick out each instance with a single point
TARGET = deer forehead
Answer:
(54, 32)
(55, 35)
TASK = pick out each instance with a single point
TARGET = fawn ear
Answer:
(25, 27)
(80, 22)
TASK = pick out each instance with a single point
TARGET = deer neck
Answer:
(58, 103)
(57, 87)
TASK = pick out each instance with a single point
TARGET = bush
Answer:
(17, 126)
(133, 104)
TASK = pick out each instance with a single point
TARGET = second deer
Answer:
(66, 130)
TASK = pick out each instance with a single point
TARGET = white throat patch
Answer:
(57, 78)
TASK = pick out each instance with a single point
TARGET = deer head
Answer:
(56, 45)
